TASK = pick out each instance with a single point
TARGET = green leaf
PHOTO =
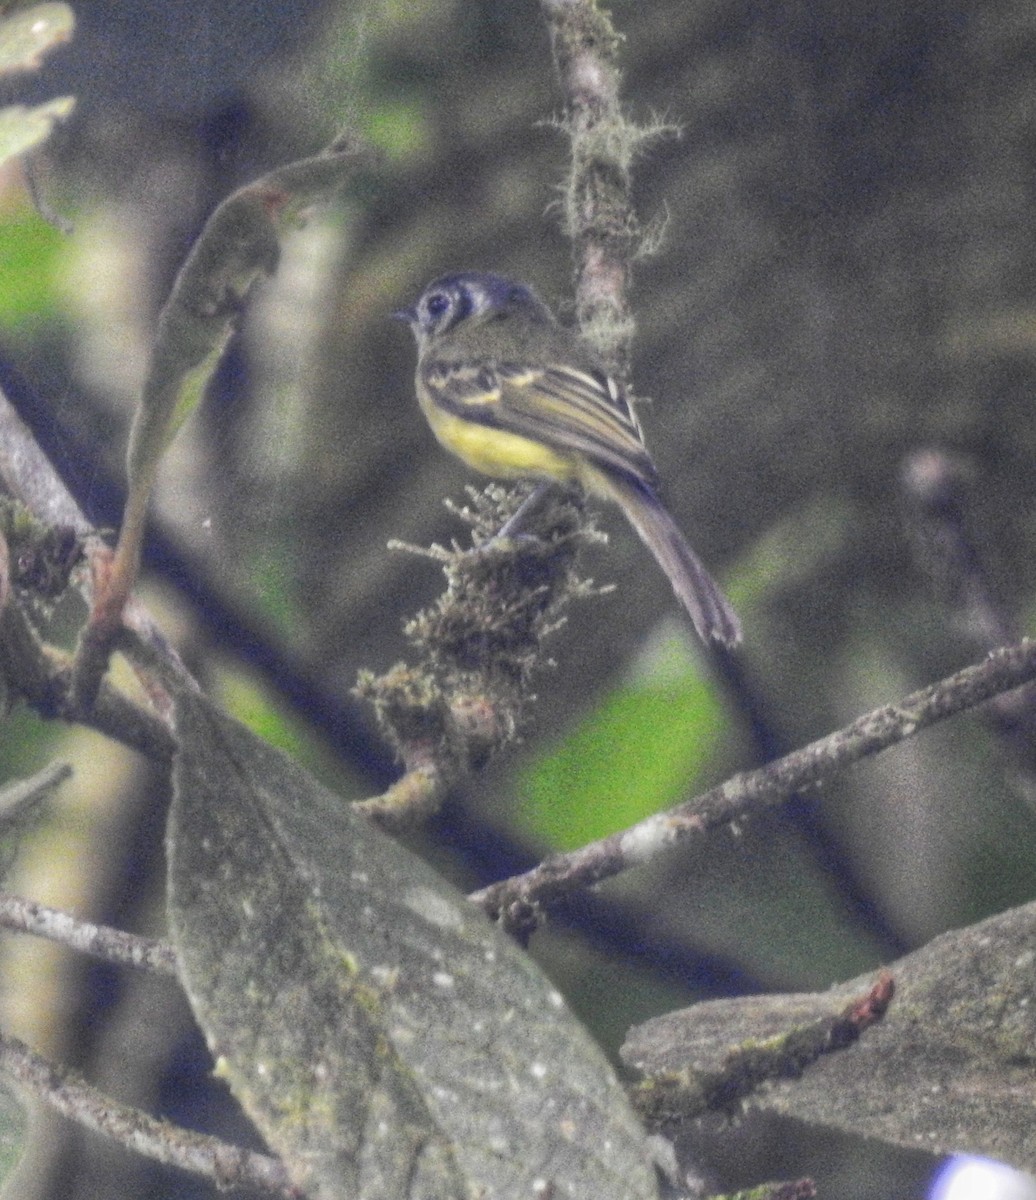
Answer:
(638, 753)
(21, 128)
(28, 34)
(399, 128)
(386, 1039)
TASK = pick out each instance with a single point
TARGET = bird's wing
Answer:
(565, 408)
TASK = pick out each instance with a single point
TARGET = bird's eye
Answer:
(437, 303)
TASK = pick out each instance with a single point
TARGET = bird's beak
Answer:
(405, 314)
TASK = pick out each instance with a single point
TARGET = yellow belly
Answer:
(496, 452)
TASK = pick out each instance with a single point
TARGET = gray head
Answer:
(466, 294)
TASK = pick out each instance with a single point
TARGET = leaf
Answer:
(31, 253)
(385, 1038)
(238, 246)
(951, 1067)
(27, 35)
(21, 128)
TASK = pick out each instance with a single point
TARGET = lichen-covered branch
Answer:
(599, 214)
(99, 941)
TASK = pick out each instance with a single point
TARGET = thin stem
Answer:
(67, 1092)
(99, 941)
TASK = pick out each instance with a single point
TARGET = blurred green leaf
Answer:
(251, 704)
(399, 129)
(29, 250)
(640, 752)
(28, 34)
(386, 1039)
(273, 566)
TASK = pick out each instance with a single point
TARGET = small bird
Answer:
(515, 394)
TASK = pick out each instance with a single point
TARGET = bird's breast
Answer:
(498, 452)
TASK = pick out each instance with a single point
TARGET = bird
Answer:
(515, 394)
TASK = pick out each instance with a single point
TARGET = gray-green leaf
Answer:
(951, 1067)
(385, 1038)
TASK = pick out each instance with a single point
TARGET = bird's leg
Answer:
(532, 503)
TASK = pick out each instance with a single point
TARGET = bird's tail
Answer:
(700, 594)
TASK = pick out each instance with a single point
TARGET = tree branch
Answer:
(27, 475)
(599, 214)
(42, 677)
(518, 901)
(99, 941)
(67, 1092)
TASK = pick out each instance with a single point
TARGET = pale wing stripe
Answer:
(459, 385)
(571, 409)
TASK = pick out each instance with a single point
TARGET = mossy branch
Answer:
(598, 208)
(479, 647)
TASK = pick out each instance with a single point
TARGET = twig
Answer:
(67, 1092)
(42, 677)
(516, 901)
(414, 797)
(27, 475)
(99, 941)
(935, 488)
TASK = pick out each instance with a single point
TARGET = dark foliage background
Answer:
(844, 277)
